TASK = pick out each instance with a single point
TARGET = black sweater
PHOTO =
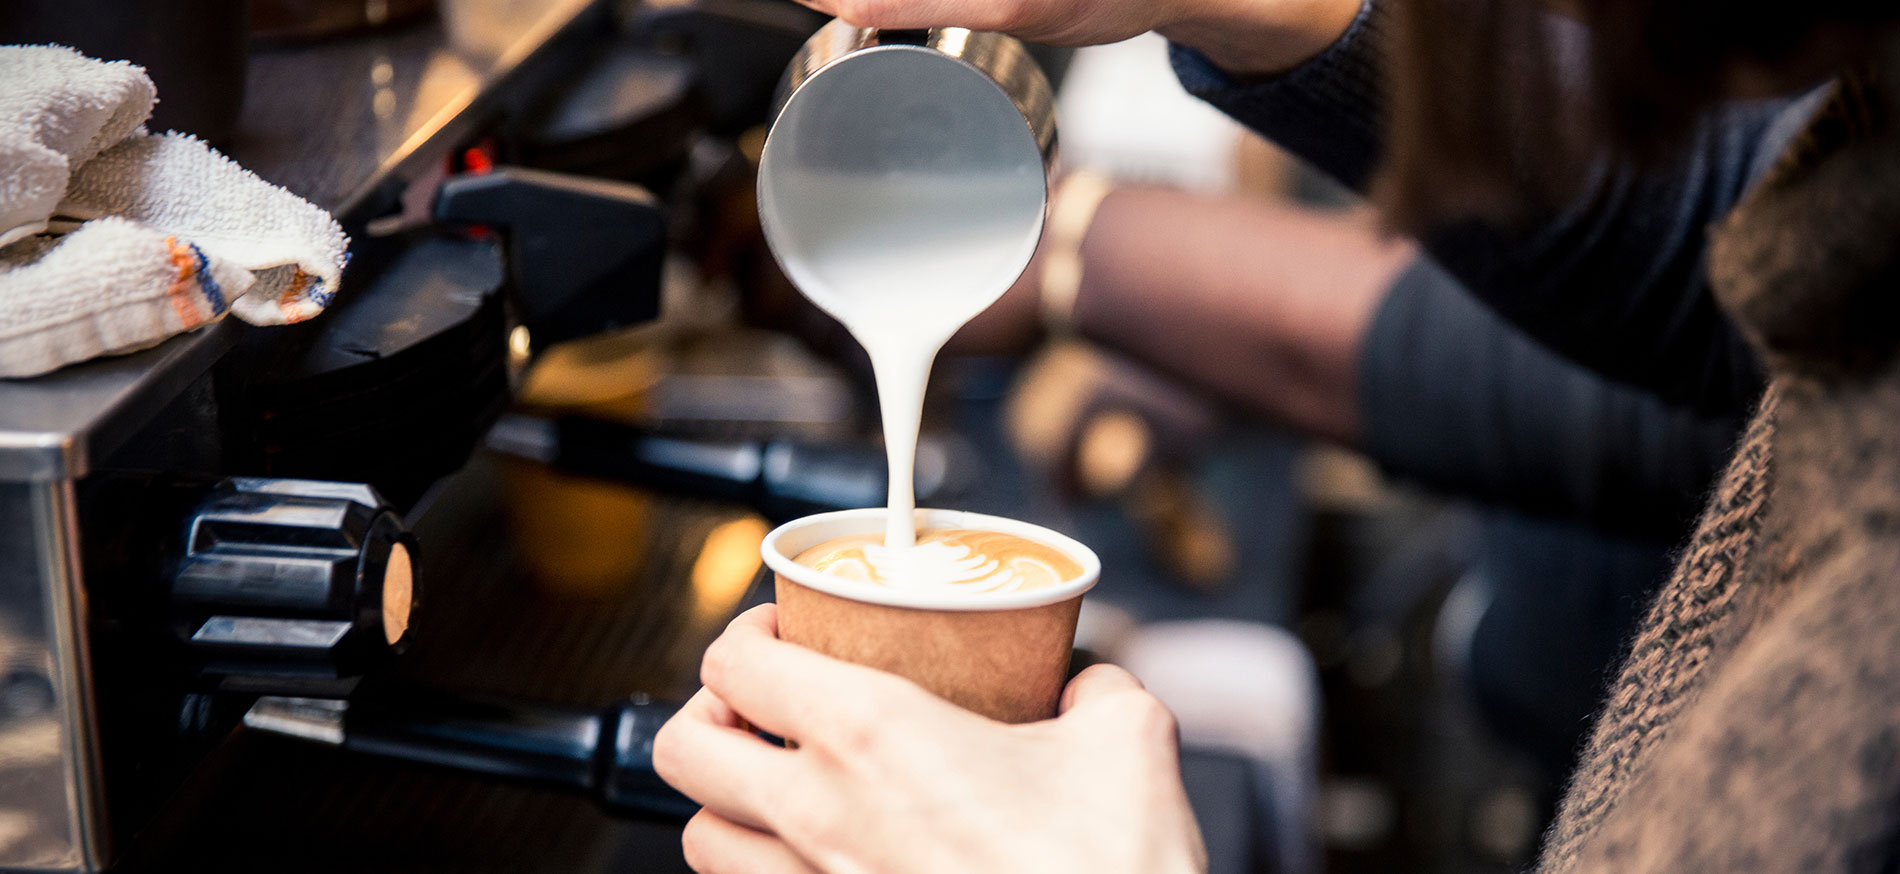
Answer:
(1628, 431)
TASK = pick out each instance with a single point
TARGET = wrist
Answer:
(1250, 38)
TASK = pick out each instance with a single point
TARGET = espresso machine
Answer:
(254, 608)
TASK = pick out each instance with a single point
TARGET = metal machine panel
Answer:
(49, 789)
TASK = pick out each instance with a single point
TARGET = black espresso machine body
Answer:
(211, 532)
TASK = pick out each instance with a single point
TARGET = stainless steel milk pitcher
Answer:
(906, 145)
(1000, 58)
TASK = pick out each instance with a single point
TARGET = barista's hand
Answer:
(887, 777)
(1244, 36)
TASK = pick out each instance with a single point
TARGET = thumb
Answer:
(1097, 682)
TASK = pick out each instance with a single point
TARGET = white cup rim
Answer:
(868, 520)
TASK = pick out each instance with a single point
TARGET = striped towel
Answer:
(113, 239)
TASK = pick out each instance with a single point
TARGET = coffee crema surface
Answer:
(978, 562)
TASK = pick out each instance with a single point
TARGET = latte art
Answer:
(960, 559)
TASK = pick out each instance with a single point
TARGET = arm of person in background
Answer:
(1614, 280)
(1316, 321)
(887, 777)
(1453, 396)
(1263, 304)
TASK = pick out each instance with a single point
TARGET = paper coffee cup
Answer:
(1004, 655)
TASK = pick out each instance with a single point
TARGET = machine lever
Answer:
(606, 754)
(583, 254)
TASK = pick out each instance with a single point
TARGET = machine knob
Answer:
(287, 578)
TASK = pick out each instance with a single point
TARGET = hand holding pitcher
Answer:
(1244, 36)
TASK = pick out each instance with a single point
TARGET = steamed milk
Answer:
(904, 282)
(973, 561)
(903, 194)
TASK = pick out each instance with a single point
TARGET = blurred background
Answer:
(564, 356)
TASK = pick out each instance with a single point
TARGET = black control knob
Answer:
(290, 578)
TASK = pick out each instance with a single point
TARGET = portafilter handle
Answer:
(782, 479)
(606, 754)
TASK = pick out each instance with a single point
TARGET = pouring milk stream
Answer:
(902, 191)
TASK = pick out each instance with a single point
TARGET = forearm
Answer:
(1327, 109)
(1262, 304)
(1254, 38)
(1315, 321)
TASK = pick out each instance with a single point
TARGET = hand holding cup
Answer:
(887, 777)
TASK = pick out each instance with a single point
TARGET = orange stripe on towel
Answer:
(180, 290)
(293, 294)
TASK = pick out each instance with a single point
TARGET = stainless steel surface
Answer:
(53, 427)
(49, 781)
(344, 124)
(336, 121)
(1000, 57)
(312, 719)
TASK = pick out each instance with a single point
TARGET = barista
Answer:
(1701, 763)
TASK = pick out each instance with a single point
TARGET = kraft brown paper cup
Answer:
(1003, 655)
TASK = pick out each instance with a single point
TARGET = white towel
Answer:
(58, 108)
(174, 235)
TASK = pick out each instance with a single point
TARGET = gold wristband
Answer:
(1071, 211)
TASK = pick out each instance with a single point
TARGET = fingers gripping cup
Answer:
(996, 640)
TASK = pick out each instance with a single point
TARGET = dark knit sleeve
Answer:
(1614, 281)
(1453, 396)
(1617, 280)
(1326, 110)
